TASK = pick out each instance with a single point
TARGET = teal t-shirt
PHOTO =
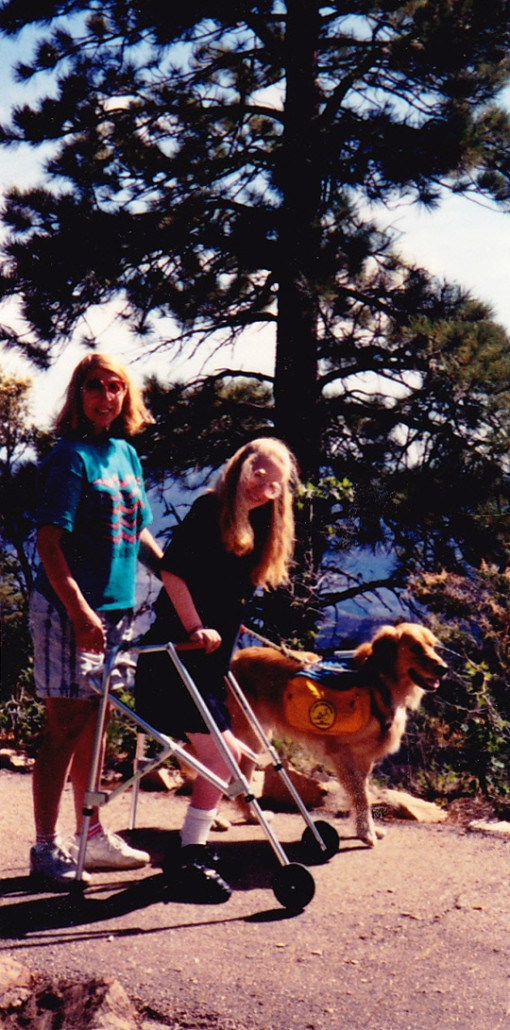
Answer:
(94, 491)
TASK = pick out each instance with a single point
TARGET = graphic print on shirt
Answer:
(122, 501)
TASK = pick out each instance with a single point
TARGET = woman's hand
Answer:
(89, 632)
(208, 639)
(88, 629)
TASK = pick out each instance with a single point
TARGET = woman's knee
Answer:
(67, 719)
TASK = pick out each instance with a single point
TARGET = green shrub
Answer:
(459, 744)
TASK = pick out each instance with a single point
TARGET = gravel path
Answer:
(413, 935)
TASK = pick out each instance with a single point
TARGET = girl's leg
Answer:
(198, 878)
(205, 795)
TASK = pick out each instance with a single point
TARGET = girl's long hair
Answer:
(134, 415)
(272, 545)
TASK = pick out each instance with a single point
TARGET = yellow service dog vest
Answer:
(310, 706)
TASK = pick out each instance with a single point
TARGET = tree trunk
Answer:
(298, 174)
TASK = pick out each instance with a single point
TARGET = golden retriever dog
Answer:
(391, 674)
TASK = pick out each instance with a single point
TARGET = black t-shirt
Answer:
(218, 581)
(220, 585)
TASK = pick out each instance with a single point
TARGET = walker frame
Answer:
(293, 884)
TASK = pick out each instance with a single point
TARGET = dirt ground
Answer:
(413, 935)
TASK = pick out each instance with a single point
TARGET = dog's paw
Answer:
(370, 839)
(367, 832)
(371, 835)
(249, 818)
(221, 824)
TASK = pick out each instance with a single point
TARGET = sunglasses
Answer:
(115, 387)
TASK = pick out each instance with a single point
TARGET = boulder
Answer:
(162, 779)
(492, 827)
(311, 790)
(115, 1011)
(48, 1005)
(405, 806)
(15, 761)
(15, 983)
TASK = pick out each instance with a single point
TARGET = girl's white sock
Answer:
(197, 825)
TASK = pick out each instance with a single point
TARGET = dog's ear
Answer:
(381, 653)
(384, 654)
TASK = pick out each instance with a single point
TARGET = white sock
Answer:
(197, 825)
(44, 840)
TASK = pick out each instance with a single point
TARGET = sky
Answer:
(463, 241)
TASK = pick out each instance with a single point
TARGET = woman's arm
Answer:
(87, 625)
(184, 605)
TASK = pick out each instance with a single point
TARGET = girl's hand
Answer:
(209, 639)
(89, 632)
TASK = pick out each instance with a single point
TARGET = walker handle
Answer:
(183, 645)
(189, 645)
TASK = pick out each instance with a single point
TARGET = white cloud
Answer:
(463, 241)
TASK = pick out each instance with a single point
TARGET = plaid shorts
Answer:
(61, 669)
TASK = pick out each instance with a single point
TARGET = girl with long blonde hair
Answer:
(235, 538)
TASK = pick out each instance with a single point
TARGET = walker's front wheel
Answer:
(329, 837)
(293, 886)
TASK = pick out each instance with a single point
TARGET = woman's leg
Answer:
(80, 767)
(66, 720)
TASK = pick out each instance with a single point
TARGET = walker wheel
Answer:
(330, 839)
(293, 886)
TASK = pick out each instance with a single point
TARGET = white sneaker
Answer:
(109, 851)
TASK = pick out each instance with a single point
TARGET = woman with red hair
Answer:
(92, 520)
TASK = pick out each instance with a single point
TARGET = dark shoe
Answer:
(51, 866)
(193, 876)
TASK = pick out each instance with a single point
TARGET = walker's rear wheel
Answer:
(293, 886)
(330, 839)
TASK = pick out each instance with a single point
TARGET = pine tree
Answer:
(216, 165)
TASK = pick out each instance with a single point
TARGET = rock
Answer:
(15, 761)
(407, 807)
(116, 1011)
(311, 791)
(497, 829)
(221, 824)
(90, 1005)
(162, 779)
(15, 983)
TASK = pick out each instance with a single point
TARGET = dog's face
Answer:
(405, 654)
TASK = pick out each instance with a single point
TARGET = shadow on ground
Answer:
(248, 865)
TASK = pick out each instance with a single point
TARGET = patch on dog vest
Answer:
(310, 706)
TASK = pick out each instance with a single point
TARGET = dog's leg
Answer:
(244, 731)
(353, 775)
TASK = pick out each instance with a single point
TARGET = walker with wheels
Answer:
(293, 885)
